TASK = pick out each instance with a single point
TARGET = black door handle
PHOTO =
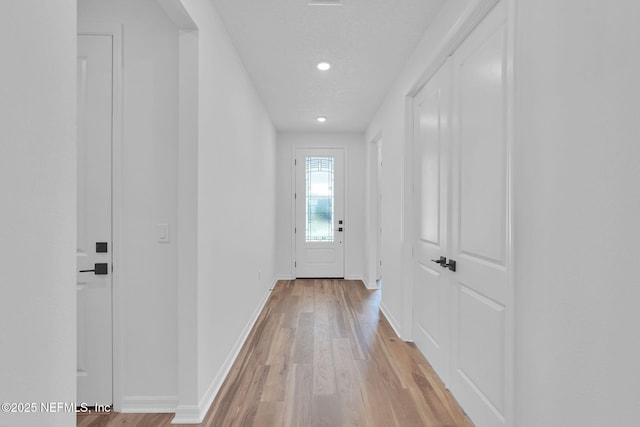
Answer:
(99, 269)
(451, 265)
(442, 261)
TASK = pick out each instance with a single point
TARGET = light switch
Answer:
(163, 233)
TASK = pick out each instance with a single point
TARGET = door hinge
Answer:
(295, 162)
(295, 196)
(295, 264)
(295, 230)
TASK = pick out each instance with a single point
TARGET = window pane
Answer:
(319, 181)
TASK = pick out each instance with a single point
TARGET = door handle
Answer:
(442, 261)
(451, 265)
(99, 269)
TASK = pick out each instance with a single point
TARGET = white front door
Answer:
(431, 302)
(480, 233)
(319, 201)
(94, 252)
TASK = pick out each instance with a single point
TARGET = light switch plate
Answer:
(163, 233)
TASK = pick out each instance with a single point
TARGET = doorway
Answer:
(319, 212)
(462, 253)
(94, 200)
(99, 217)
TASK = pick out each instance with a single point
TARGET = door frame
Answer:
(469, 20)
(117, 200)
(374, 211)
(345, 238)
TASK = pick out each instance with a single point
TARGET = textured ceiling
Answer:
(367, 43)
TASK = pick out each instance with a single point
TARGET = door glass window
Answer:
(319, 202)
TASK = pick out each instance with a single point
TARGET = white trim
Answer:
(392, 320)
(117, 203)
(149, 404)
(371, 286)
(365, 282)
(509, 410)
(285, 277)
(293, 211)
(187, 292)
(469, 19)
(190, 414)
(371, 241)
(346, 213)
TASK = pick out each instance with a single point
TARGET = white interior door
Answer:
(431, 303)
(94, 277)
(319, 201)
(480, 215)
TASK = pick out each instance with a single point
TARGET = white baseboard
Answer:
(188, 414)
(369, 284)
(392, 320)
(191, 414)
(148, 404)
(285, 277)
(364, 280)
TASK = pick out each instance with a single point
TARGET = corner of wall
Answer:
(194, 414)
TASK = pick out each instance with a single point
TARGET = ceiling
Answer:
(367, 42)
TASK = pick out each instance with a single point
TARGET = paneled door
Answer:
(431, 301)
(319, 210)
(94, 277)
(480, 215)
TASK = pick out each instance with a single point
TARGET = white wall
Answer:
(577, 169)
(148, 312)
(38, 208)
(236, 203)
(354, 146)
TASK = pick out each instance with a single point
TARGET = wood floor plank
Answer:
(269, 414)
(321, 354)
(336, 319)
(324, 382)
(345, 369)
(376, 397)
(299, 402)
(326, 411)
(280, 362)
(303, 341)
(405, 410)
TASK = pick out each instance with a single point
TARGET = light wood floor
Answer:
(321, 354)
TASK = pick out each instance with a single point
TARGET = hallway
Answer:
(321, 354)
(491, 177)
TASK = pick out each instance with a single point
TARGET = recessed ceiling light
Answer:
(323, 66)
(321, 119)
